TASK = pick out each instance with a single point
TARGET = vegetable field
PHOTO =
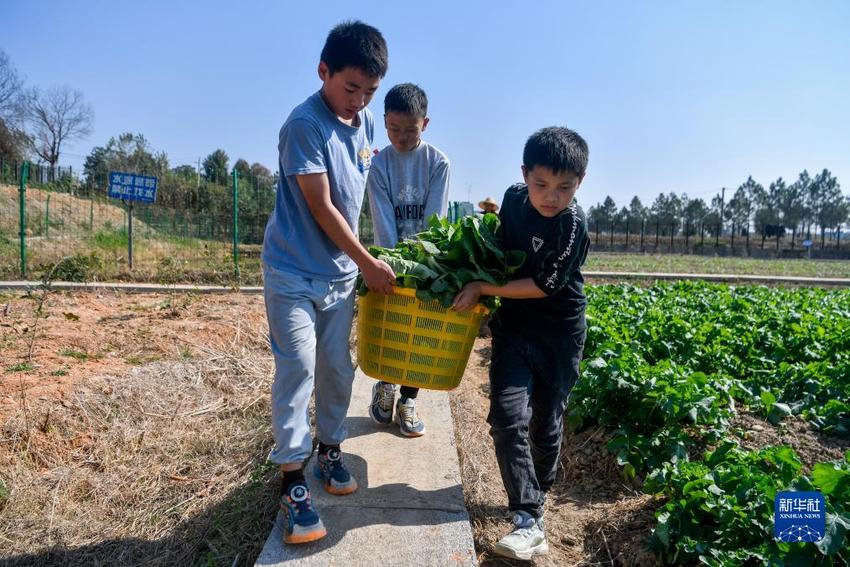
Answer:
(668, 367)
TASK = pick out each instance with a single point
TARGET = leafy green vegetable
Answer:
(441, 260)
(666, 368)
(720, 511)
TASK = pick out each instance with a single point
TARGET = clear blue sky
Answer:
(671, 96)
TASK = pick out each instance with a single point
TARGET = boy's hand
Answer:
(468, 297)
(378, 276)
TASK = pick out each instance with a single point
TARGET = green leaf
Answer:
(833, 539)
(831, 480)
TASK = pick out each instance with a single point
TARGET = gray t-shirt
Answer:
(313, 140)
(405, 189)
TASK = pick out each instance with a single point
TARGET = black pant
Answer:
(408, 392)
(530, 383)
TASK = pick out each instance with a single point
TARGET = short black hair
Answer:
(558, 148)
(358, 45)
(407, 98)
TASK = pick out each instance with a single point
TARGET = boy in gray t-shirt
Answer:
(311, 255)
(407, 183)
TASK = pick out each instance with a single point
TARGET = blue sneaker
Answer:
(381, 408)
(301, 523)
(331, 469)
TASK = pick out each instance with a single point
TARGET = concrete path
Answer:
(409, 507)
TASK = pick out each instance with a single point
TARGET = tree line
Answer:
(809, 204)
(206, 192)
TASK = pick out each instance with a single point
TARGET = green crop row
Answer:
(666, 368)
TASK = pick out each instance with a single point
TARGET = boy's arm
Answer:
(524, 288)
(381, 208)
(438, 191)
(316, 190)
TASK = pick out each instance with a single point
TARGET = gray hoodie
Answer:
(404, 189)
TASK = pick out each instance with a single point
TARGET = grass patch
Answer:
(110, 239)
(694, 264)
(21, 367)
(139, 359)
(73, 353)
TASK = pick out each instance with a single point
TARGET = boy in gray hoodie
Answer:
(407, 183)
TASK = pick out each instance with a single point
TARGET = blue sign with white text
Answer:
(132, 187)
(799, 516)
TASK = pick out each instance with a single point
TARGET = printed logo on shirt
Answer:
(553, 277)
(364, 159)
(536, 243)
(410, 211)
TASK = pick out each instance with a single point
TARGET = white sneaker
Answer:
(408, 419)
(526, 541)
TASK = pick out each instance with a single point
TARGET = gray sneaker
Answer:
(407, 418)
(381, 408)
(526, 541)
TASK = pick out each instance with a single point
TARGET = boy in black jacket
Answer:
(539, 330)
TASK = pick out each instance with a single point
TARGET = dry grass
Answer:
(162, 466)
(68, 213)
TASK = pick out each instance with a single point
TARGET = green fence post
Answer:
(47, 218)
(25, 171)
(236, 222)
(91, 214)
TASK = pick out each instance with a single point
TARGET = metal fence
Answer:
(39, 174)
(215, 235)
(697, 238)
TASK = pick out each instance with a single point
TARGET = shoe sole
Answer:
(409, 433)
(341, 491)
(541, 549)
(345, 490)
(305, 538)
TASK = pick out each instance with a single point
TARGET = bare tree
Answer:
(10, 88)
(12, 141)
(56, 116)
